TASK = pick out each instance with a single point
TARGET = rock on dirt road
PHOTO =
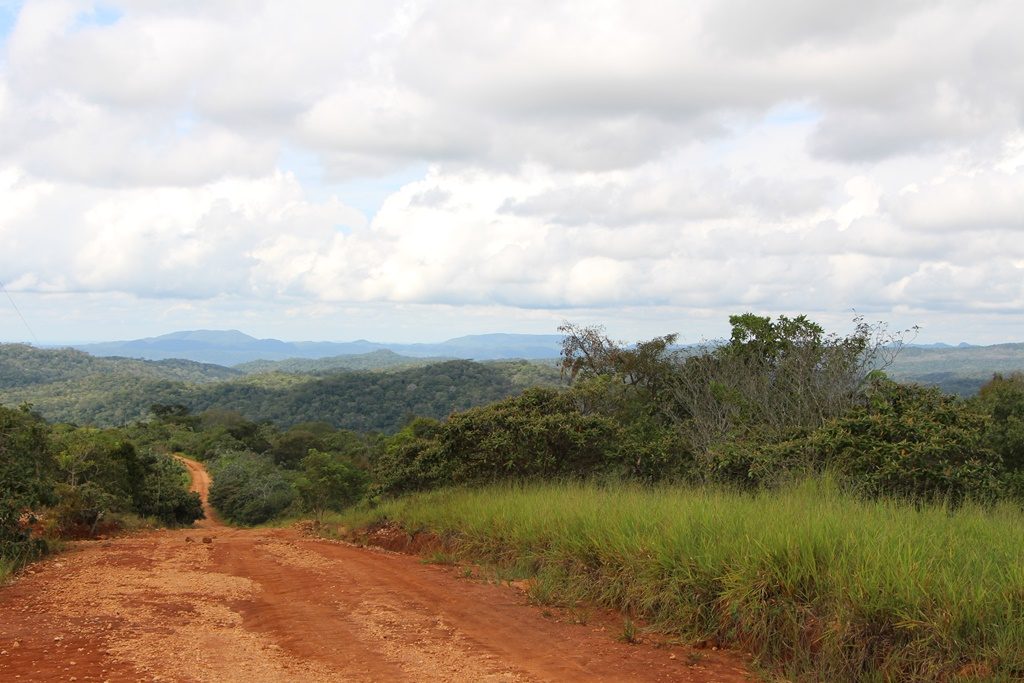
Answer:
(270, 605)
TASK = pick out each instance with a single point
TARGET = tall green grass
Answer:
(7, 569)
(817, 584)
(14, 556)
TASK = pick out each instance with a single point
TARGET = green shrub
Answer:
(329, 482)
(249, 489)
(537, 434)
(540, 433)
(80, 508)
(911, 441)
(1003, 399)
(408, 460)
(25, 467)
(162, 494)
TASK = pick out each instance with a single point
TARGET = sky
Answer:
(414, 171)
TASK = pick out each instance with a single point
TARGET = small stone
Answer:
(189, 539)
(207, 539)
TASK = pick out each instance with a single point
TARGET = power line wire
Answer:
(18, 311)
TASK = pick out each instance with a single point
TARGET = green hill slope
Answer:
(382, 359)
(957, 370)
(71, 386)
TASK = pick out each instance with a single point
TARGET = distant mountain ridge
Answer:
(233, 347)
(960, 368)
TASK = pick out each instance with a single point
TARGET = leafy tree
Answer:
(588, 352)
(774, 378)
(540, 433)
(290, 447)
(174, 414)
(236, 425)
(100, 471)
(1002, 399)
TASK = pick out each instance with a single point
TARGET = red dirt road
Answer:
(270, 605)
(201, 485)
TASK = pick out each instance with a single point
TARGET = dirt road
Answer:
(271, 605)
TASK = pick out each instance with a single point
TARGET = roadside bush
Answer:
(913, 442)
(99, 472)
(540, 433)
(290, 447)
(905, 441)
(648, 450)
(408, 460)
(81, 508)
(25, 465)
(758, 460)
(248, 488)
(163, 494)
(1002, 398)
(537, 434)
(329, 482)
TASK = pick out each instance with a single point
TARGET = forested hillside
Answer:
(66, 385)
(361, 401)
(22, 365)
(957, 370)
(382, 359)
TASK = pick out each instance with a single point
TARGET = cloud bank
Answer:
(653, 165)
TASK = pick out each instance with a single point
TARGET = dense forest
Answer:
(382, 359)
(957, 370)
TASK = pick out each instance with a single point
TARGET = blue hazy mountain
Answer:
(231, 347)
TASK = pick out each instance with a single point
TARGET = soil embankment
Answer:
(225, 604)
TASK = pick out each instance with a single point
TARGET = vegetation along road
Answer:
(216, 603)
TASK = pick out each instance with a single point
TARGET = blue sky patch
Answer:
(8, 16)
(100, 15)
(366, 194)
(792, 113)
